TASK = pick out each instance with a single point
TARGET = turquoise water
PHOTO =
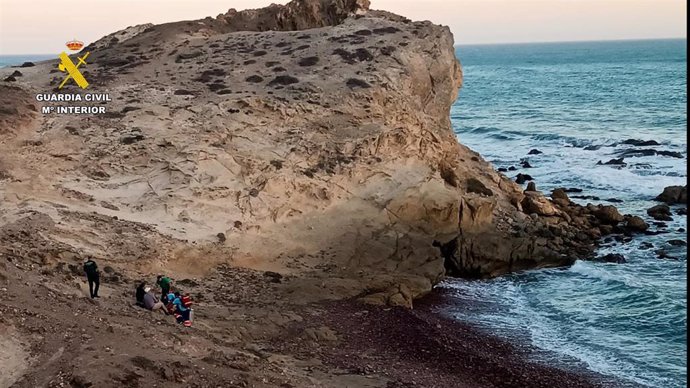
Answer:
(628, 320)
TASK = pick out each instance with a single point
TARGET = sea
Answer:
(577, 103)
(16, 60)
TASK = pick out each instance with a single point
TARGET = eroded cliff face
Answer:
(311, 139)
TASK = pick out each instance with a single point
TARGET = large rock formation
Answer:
(314, 137)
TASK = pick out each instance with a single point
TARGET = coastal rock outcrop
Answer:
(314, 136)
(674, 195)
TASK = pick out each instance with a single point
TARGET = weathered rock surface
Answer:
(266, 159)
(660, 213)
(314, 136)
(674, 195)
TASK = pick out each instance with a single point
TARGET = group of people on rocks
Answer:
(172, 302)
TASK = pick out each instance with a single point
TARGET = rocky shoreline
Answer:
(282, 164)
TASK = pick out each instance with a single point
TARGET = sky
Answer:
(43, 26)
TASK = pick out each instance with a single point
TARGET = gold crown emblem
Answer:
(74, 45)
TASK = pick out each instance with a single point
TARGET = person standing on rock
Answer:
(93, 276)
(164, 283)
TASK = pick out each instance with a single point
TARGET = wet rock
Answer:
(608, 215)
(592, 147)
(502, 169)
(27, 64)
(612, 258)
(637, 153)
(672, 154)
(674, 195)
(525, 164)
(572, 190)
(677, 243)
(682, 211)
(645, 245)
(512, 168)
(531, 186)
(636, 224)
(614, 200)
(640, 143)
(534, 152)
(663, 254)
(613, 162)
(660, 213)
(520, 179)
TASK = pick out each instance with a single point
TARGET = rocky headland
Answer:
(283, 165)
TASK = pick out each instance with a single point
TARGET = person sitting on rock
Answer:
(141, 291)
(93, 276)
(151, 303)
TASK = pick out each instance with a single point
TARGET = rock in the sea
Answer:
(614, 162)
(636, 224)
(608, 215)
(534, 152)
(27, 64)
(560, 197)
(612, 258)
(640, 143)
(525, 164)
(660, 213)
(520, 179)
(674, 195)
(677, 243)
(531, 186)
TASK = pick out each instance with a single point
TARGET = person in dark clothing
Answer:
(93, 276)
(141, 291)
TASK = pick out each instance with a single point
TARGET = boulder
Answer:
(636, 224)
(612, 258)
(535, 203)
(608, 215)
(534, 152)
(520, 179)
(674, 195)
(660, 213)
(531, 186)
